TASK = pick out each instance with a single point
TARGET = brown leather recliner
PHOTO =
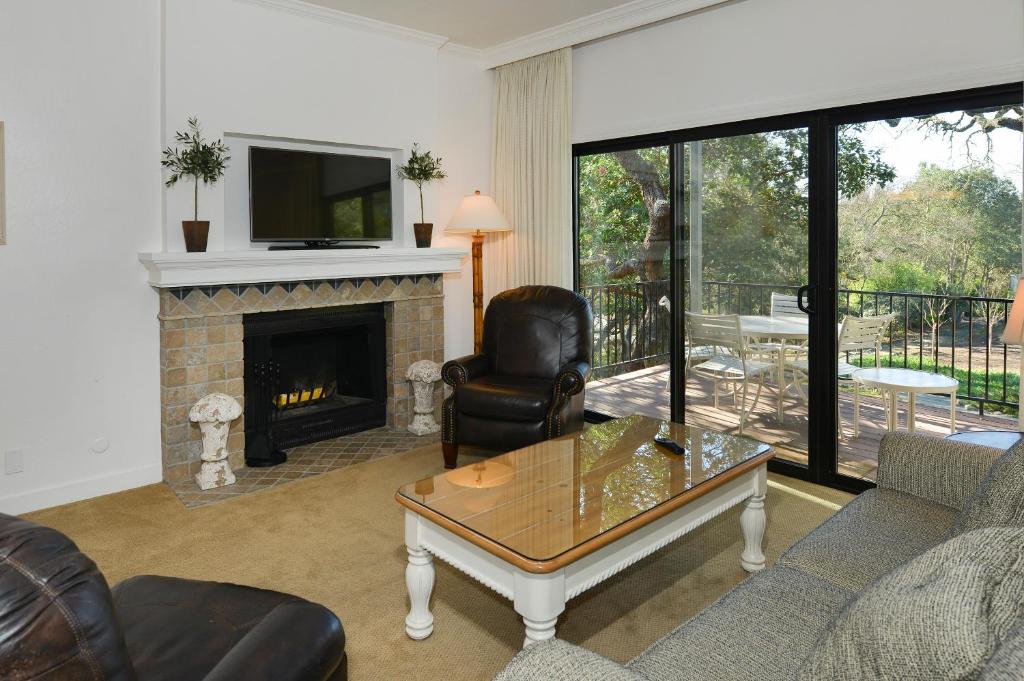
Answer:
(527, 384)
(59, 620)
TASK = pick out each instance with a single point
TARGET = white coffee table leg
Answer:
(911, 411)
(752, 522)
(540, 599)
(419, 579)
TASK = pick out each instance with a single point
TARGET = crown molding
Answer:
(811, 101)
(591, 27)
(472, 53)
(334, 16)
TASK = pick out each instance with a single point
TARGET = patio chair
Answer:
(689, 350)
(729, 363)
(856, 334)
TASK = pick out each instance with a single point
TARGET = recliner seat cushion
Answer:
(876, 532)
(999, 500)
(179, 629)
(762, 629)
(940, 616)
(511, 397)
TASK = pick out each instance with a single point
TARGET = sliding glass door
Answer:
(812, 280)
(929, 230)
(743, 217)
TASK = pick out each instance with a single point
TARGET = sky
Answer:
(905, 148)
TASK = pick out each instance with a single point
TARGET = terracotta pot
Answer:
(423, 230)
(196, 233)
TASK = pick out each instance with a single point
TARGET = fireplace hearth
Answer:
(312, 375)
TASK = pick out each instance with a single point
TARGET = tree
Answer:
(755, 214)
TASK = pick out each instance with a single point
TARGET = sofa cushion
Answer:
(1007, 663)
(876, 532)
(555, 659)
(762, 629)
(999, 500)
(940, 616)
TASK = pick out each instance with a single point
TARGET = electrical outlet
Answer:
(14, 461)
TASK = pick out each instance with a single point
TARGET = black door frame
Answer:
(823, 240)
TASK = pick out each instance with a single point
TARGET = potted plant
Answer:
(421, 169)
(200, 160)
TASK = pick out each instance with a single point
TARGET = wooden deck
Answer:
(644, 392)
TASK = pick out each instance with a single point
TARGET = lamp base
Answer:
(478, 292)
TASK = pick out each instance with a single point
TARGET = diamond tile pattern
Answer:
(307, 461)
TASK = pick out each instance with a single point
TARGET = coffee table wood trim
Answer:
(536, 566)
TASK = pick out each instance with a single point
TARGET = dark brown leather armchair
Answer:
(59, 620)
(527, 383)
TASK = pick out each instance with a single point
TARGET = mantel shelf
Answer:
(171, 270)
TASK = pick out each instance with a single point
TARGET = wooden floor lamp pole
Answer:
(478, 291)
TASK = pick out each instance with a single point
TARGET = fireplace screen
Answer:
(312, 375)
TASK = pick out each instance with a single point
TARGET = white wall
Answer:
(756, 58)
(242, 68)
(464, 142)
(86, 115)
(80, 97)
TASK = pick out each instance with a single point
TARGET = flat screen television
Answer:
(318, 198)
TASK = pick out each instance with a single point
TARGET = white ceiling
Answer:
(474, 23)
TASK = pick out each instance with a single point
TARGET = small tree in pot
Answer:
(200, 160)
(421, 169)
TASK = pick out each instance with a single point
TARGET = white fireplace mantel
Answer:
(169, 270)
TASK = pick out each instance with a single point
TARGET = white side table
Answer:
(892, 381)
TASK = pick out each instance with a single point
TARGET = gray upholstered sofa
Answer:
(921, 578)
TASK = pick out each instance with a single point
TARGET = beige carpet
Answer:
(337, 539)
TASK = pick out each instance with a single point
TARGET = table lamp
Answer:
(1013, 334)
(477, 215)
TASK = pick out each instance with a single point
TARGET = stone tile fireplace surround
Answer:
(201, 349)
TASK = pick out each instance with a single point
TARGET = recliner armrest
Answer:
(296, 641)
(464, 369)
(944, 471)
(572, 379)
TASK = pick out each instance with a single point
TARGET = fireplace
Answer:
(311, 375)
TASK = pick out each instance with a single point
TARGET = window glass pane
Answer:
(624, 237)
(929, 234)
(745, 218)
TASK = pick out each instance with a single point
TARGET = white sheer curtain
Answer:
(531, 174)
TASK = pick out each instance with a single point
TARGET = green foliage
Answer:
(952, 232)
(196, 158)
(755, 204)
(421, 169)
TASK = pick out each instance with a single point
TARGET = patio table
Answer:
(892, 381)
(788, 328)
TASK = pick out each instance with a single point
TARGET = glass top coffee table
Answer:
(543, 524)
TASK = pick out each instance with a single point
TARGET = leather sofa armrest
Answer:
(557, 660)
(296, 641)
(572, 379)
(464, 369)
(944, 471)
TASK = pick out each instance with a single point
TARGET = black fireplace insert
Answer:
(311, 375)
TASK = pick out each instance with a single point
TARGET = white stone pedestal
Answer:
(214, 414)
(423, 374)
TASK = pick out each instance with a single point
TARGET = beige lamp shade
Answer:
(1013, 334)
(478, 213)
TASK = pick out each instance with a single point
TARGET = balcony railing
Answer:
(952, 335)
